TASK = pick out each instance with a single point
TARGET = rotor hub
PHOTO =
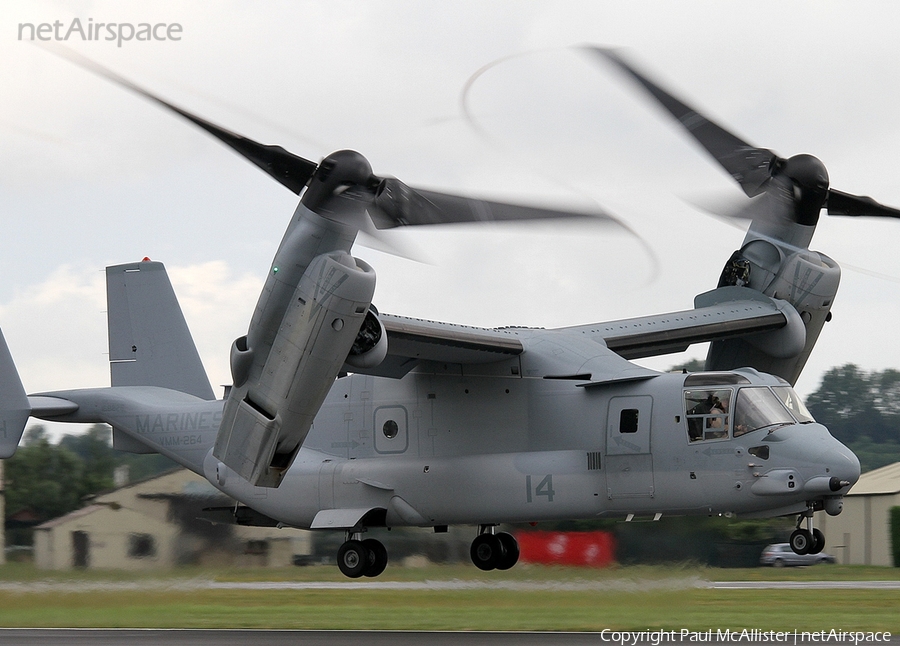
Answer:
(810, 187)
(337, 173)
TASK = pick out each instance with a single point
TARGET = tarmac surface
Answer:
(625, 585)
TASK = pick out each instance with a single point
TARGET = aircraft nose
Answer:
(835, 466)
(843, 464)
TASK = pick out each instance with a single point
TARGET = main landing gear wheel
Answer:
(357, 558)
(353, 559)
(802, 541)
(494, 551)
(486, 551)
(511, 547)
(377, 557)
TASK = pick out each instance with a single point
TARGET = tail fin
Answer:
(149, 340)
(14, 406)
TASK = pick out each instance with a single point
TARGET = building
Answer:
(158, 523)
(860, 535)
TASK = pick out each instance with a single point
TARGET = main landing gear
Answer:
(809, 540)
(491, 550)
(357, 557)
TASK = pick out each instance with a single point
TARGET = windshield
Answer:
(757, 408)
(793, 403)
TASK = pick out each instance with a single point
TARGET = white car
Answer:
(781, 554)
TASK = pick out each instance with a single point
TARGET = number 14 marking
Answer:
(544, 488)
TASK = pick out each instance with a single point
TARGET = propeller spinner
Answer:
(799, 183)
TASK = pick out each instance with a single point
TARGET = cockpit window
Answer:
(757, 408)
(793, 403)
(707, 413)
(714, 379)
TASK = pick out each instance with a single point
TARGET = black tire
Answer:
(818, 541)
(353, 559)
(487, 552)
(511, 549)
(801, 541)
(377, 557)
(777, 563)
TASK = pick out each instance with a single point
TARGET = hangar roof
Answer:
(885, 480)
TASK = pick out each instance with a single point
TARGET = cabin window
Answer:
(390, 429)
(628, 420)
(708, 413)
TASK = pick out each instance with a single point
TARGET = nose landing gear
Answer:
(358, 558)
(809, 540)
(494, 551)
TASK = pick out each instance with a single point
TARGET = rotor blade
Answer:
(750, 166)
(285, 167)
(397, 204)
(840, 203)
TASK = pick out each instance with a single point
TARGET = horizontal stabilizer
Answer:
(14, 407)
(49, 407)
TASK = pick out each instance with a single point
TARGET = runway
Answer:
(805, 585)
(606, 585)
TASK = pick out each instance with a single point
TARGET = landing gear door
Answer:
(628, 426)
(629, 463)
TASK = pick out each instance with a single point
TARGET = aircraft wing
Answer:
(412, 340)
(722, 313)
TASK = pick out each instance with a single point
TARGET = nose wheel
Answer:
(358, 558)
(809, 540)
(492, 551)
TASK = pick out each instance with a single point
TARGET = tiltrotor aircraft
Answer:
(343, 418)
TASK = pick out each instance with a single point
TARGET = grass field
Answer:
(618, 598)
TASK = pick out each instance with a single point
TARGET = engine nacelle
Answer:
(371, 346)
(269, 413)
(807, 280)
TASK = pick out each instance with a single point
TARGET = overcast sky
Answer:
(93, 175)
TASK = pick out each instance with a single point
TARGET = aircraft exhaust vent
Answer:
(593, 459)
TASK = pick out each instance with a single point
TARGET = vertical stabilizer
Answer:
(14, 407)
(149, 340)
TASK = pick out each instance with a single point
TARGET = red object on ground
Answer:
(593, 549)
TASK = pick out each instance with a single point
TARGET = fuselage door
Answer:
(628, 426)
(629, 472)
